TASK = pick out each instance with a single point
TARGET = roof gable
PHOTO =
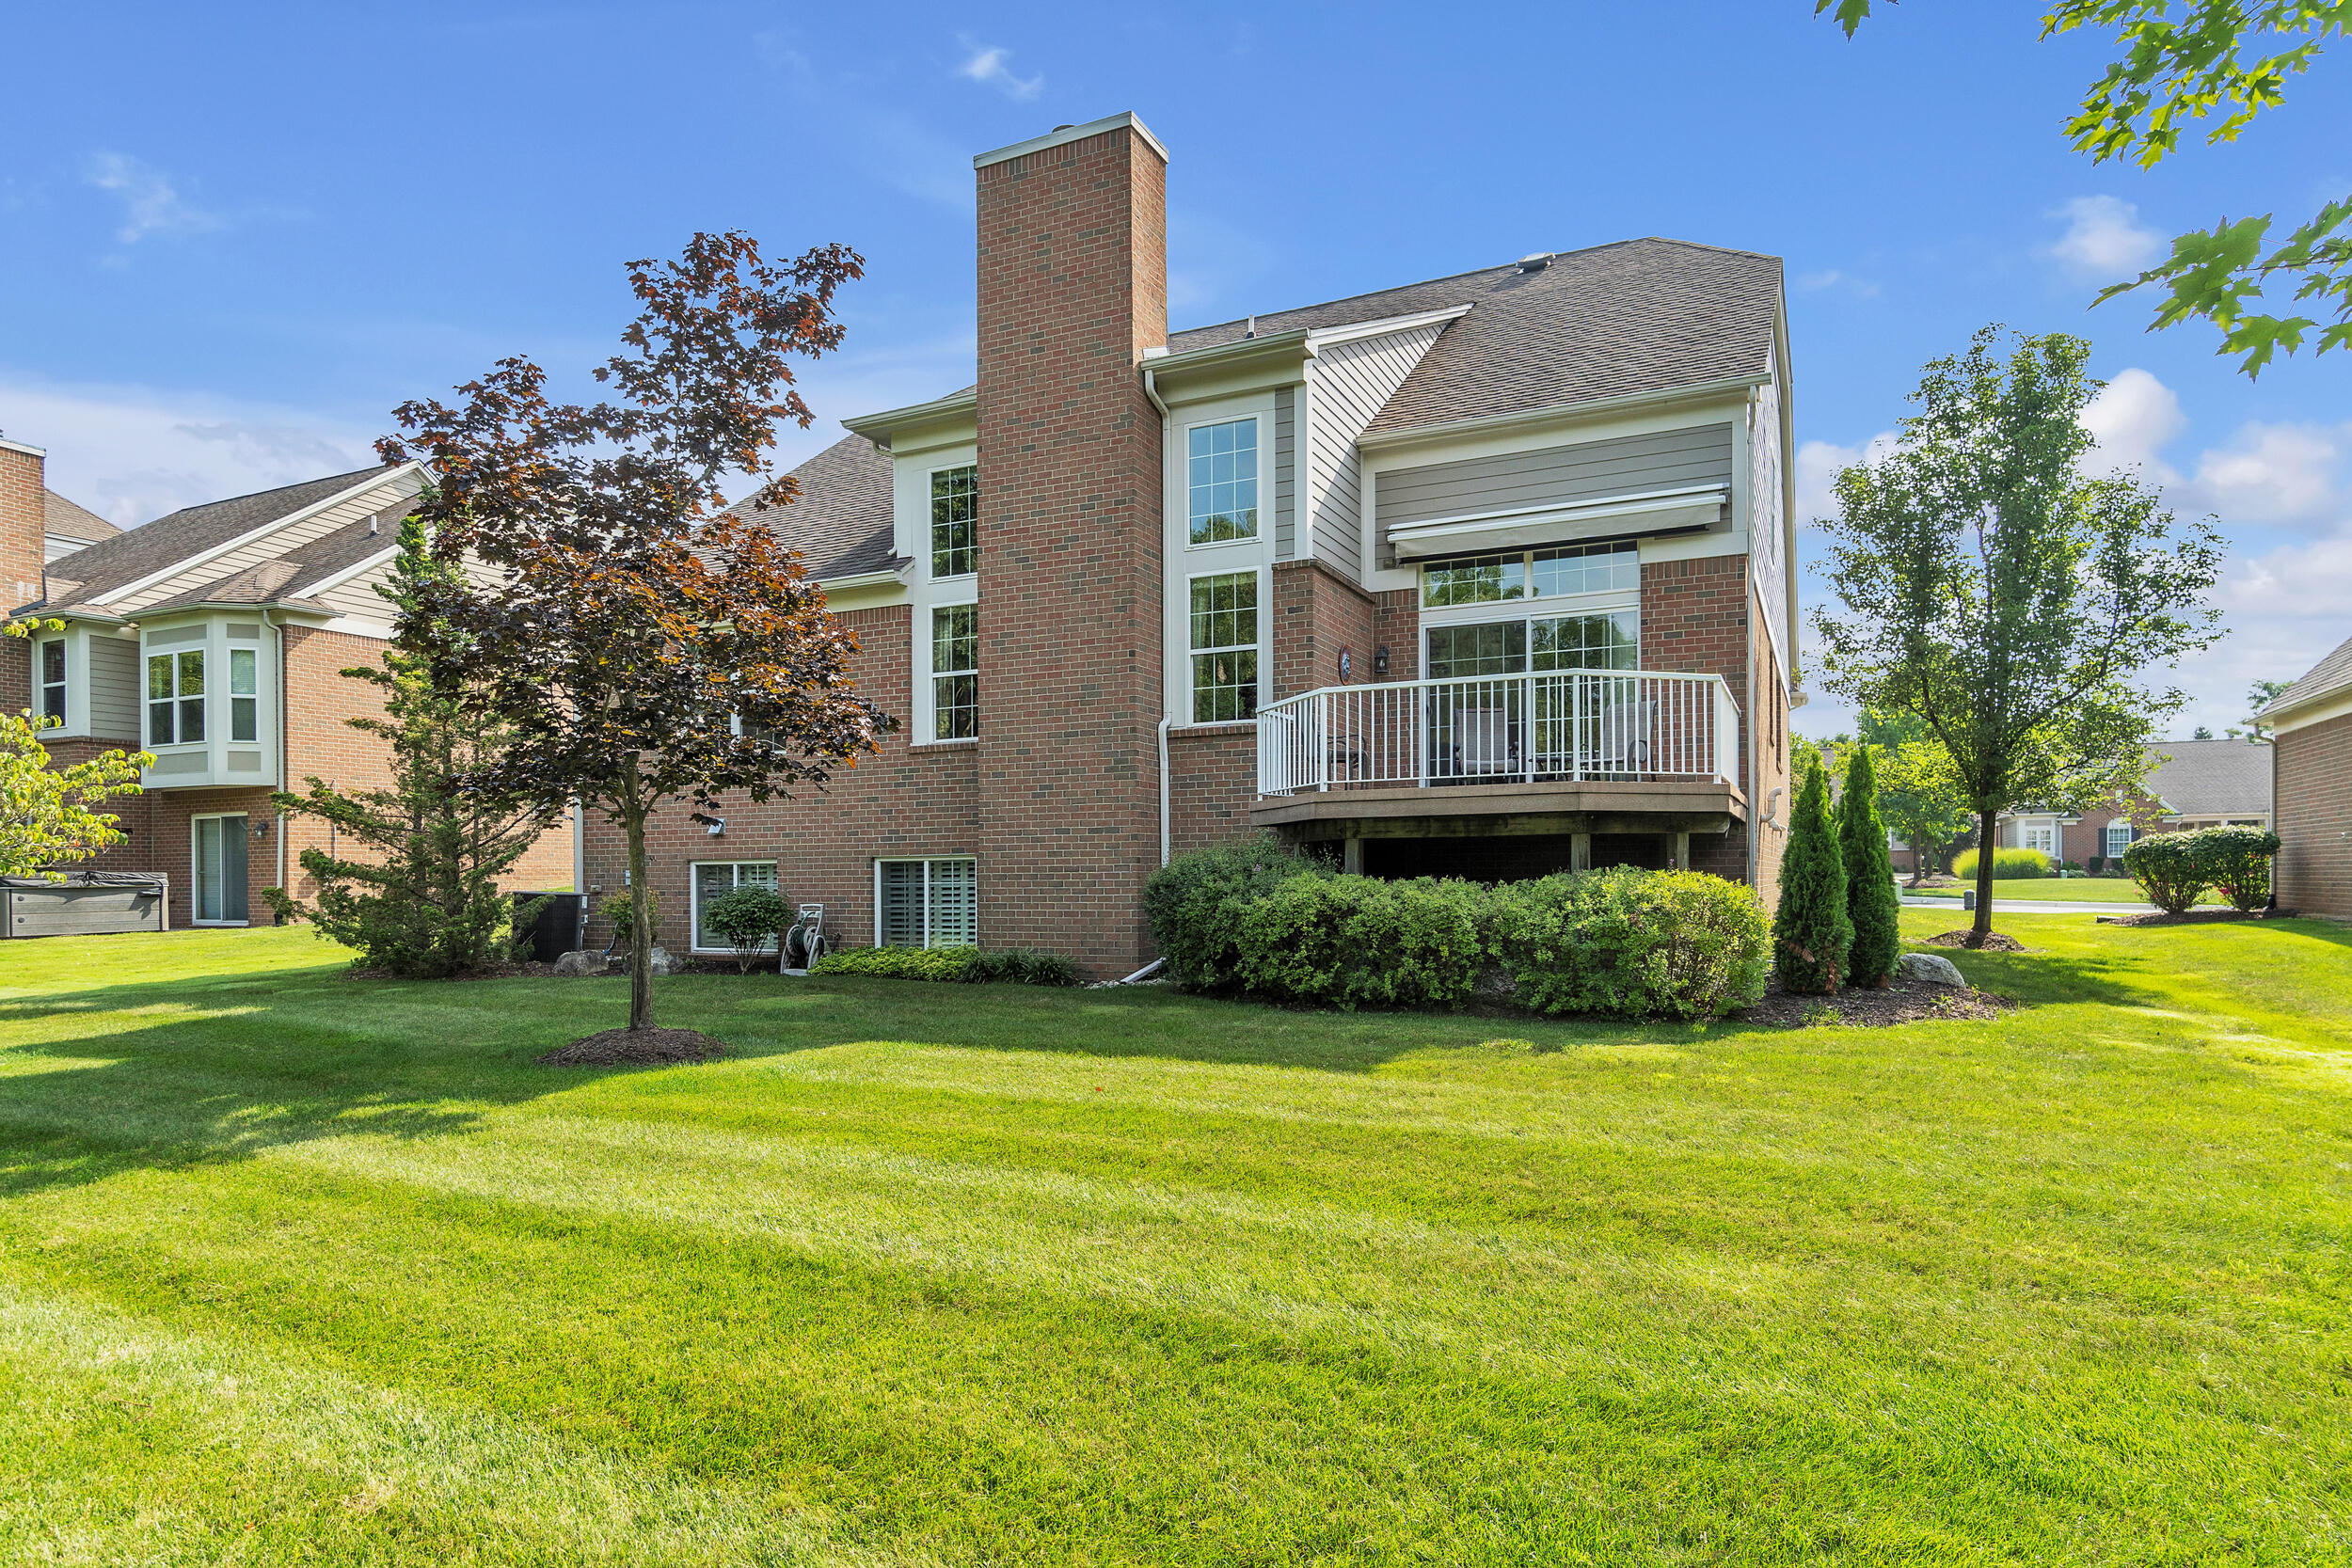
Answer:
(841, 524)
(2329, 675)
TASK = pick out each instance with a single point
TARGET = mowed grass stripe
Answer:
(134, 1445)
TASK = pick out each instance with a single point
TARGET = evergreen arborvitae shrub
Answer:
(1812, 934)
(1871, 904)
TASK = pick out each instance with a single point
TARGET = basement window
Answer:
(927, 903)
(713, 881)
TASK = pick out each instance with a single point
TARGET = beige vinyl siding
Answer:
(1764, 517)
(394, 494)
(1286, 473)
(1556, 476)
(113, 687)
(357, 595)
(1351, 383)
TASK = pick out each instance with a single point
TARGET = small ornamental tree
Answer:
(1812, 933)
(46, 814)
(750, 918)
(421, 900)
(2010, 603)
(1919, 800)
(1870, 899)
(643, 643)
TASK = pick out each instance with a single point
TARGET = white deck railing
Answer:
(1501, 729)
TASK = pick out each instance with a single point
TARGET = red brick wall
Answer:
(1072, 288)
(2314, 818)
(1212, 780)
(23, 522)
(910, 800)
(1316, 616)
(1397, 628)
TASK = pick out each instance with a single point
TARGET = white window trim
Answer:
(694, 907)
(2106, 838)
(195, 884)
(1185, 718)
(926, 861)
(1260, 433)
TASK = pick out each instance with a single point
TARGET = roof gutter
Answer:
(1517, 418)
(876, 427)
(860, 580)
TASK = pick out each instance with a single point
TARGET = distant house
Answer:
(216, 639)
(2194, 784)
(2312, 721)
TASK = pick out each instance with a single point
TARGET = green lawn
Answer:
(300, 1269)
(2064, 889)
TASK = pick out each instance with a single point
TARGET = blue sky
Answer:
(232, 238)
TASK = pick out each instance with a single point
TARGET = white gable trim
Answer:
(190, 563)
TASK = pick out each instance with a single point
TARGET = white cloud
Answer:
(1861, 288)
(2104, 242)
(132, 454)
(987, 65)
(150, 204)
(1818, 465)
(2133, 418)
(2269, 474)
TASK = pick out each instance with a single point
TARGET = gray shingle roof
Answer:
(2211, 778)
(268, 582)
(2331, 674)
(1636, 316)
(63, 519)
(841, 523)
(87, 576)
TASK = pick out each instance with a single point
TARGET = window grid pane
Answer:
(1225, 647)
(1588, 569)
(1587, 643)
(1479, 579)
(955, 660)
(1221, 479)
(52, 680)
(955, 522)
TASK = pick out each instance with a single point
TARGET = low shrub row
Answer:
(2008, 864)
(1025, 966)
(1258, 917)
(2175, 869)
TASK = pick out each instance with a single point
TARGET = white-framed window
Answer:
(218, 883)
(927, 903)
(245, 701)
(715, 879)
(175, 698)
(954, 671)
(50, 656)
(1221, 480)
(1224, 645)
(2042, 836)
(1553, 572)
(955, 522)
(2119, 837)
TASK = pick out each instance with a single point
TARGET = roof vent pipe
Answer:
(1536, 262)
(1250, 330)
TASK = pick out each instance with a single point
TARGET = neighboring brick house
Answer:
(1489, 574)
(2192, 784)
(215, 638)
(2311, 751)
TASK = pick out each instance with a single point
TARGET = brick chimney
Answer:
(23, 525)
(1072, 290)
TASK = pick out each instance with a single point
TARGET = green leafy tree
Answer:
(1813, 932)
(643, 643)
(2217, 63)
(47, 813)
(421, 897)
(1919, 799)
(2258, 697)
(1871, 904)
(1991, 590)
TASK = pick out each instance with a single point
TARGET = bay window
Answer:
(244, 719)
(52, 658)
(175, 698)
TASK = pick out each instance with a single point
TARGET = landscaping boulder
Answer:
(1926, 969)
(661, 963)
(582, 962)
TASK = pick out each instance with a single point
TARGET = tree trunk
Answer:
(1986, 822)
(641, 911)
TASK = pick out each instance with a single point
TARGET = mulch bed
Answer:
(636, 1048)
(1900, 1003)
(1995, 941)
(2187, 917)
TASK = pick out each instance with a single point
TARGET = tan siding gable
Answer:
(357, 595)
(1352, 380)
(114, 687)
(278, 541)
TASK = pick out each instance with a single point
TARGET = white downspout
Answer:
(1166, 720)
(278, 636)
(1152, 390)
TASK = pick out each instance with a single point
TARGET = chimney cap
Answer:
(1125, 121)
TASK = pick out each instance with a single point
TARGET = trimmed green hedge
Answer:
(1254, 917)
(2008, 864)
(1026, 966)
(2175, 869)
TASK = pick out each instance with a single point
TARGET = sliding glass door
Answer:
(219, 883)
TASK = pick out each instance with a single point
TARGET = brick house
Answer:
(2311, 754)
(1487, 576)
(2191, 784)
(215, 638)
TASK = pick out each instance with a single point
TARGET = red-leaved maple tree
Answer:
(641, 642)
